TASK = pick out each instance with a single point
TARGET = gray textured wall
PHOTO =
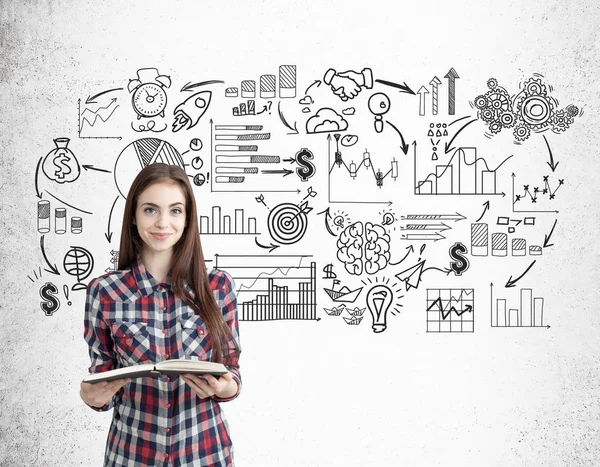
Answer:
(492, 398)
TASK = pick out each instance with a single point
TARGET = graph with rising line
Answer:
(464, 174)
(91, 120)
(273, 287)
(450, 310)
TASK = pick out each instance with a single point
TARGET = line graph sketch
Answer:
(450, 310)
(464, 174)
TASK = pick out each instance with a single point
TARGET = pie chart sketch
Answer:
(140, 154)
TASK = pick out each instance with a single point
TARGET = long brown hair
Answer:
(187, 262)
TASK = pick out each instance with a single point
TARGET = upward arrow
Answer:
(422, 91)
(434, 97)
(452, 76)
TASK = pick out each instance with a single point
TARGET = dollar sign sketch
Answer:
(306, 169)
(460, 263)
(63, 168)
(51, 303)
(328, 270)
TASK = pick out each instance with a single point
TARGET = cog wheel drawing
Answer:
(572, 110)
(507, 120)
(481, 102)
(535, 110)
(561, 121)
(521, 132)
(495, 127)
(492, 83)
(534, 87)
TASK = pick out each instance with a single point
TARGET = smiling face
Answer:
(160, 216)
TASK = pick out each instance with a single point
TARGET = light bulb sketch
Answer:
(379, 300)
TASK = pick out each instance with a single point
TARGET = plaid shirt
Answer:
(158, 421)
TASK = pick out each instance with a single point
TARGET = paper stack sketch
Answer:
(288, 164)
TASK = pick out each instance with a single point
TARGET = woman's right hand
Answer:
(99, 394)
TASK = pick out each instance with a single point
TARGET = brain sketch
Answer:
(364, 248)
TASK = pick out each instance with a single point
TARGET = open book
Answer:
(168, 367)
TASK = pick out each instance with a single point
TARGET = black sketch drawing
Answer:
(79, 263)
(347, 84)
(532, 109)
(284, 287)
(189, 112)
(60, 164)
(149, 96)
(450, 310)
(529, 314)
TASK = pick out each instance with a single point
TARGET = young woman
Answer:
(163, 304)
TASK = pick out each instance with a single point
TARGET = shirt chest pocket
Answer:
(132, 342)
(195, 341)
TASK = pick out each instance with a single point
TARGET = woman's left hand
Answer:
(207, 385)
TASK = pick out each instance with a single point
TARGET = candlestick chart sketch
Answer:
(324, 195)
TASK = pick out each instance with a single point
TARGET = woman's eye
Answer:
(148, 209)
(177, 211)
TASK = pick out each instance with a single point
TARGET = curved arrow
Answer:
(511, 282)
(91, 167)
(317, 82)
(108, 235)
(547, 237)
(270, 248)
(327, 219)
(447, 148)
(189, 86)
(404, 145)
(37, 171)
(411, 250)
(53, 269)
(403, 87)
(487, 206)
(92, 100)
(551, 163)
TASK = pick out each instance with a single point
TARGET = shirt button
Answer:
(167, 430)
(164, 331)
(166, 355)
(167, 379)
(166, 456)
(168, 406)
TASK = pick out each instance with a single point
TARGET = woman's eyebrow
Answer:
(156, 205)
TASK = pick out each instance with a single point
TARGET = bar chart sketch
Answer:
(464, 174)
(273, 287)
(450, 310)
(529, 314)
(219, 224)
(239, 155)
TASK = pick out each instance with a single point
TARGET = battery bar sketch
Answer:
(284, 288)
(219, 224)
(530, 313)
(480, 244)
(465, 174)
(244, 137)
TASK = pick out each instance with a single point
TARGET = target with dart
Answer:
(287, 222)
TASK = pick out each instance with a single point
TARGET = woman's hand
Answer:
(207, 385)
(99, 394)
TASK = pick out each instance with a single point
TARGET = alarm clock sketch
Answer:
(149, 98)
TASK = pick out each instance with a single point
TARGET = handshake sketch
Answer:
(348, 84)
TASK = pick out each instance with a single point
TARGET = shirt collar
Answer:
(147, 283)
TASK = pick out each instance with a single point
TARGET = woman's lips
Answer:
(160, 236)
